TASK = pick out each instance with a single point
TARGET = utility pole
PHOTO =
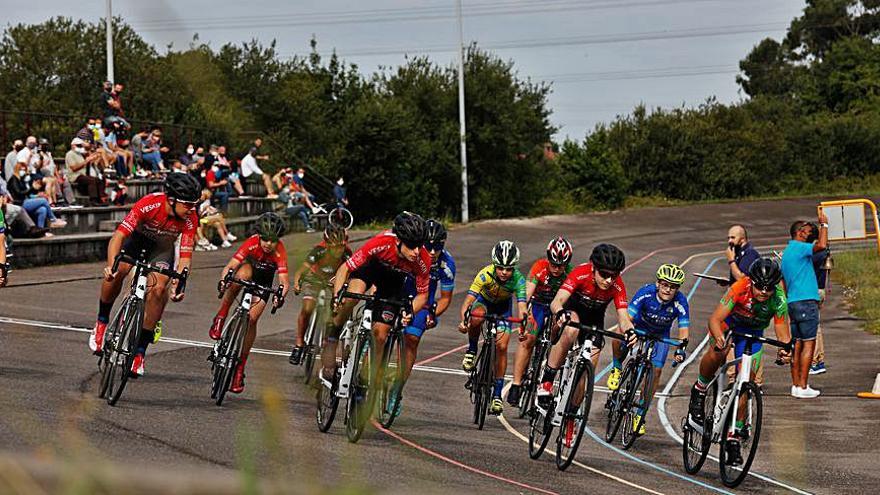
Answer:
(461, 120)
(109, 20)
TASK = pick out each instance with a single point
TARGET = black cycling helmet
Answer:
(608, 257)
(505, 254)
(335, 235)
(270, 226)
(435, 232)
(182, 187)
(410, 229)
(765, 273)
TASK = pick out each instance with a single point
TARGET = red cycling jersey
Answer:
(580, 282)
(252, 253)
(150, 218)
(546, 285)
(383, 249)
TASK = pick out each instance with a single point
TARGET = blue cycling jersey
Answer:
(650, 314)
(442, 274)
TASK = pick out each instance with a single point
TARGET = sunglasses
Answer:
(504, 269)
(607, 275)
(188, 205)
(764, 289)
(434, 246)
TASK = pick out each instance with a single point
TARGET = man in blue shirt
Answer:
(802, 292)
(740, 252)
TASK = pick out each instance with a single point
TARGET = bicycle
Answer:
(314, 336)
(356, 381)
(123, 332)
(481, 380)
(532, 376)
(333, 213)
(637, 378)
(564, 411)
(226, 354)
(724, 407)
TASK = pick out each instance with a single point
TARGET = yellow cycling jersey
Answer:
(492, 290)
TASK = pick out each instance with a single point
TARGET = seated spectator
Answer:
(193, 156)
(12, 159)
(29, 156)
(299, 182)
(121, 158)
(32, 199)
(249, 168)
(218, 184)
(136, 145)
(178, 167)
(230, 170)
(339, 193)
(152, 151)
(210, 217)
(295, 205)
(119, 192)
(82, 171)
(282, 178)
(86, 133)
(48, 170)
(18, 220)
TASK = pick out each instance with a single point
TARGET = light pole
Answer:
(461, 120)
(109, 21)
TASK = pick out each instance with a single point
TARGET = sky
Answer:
(602, 57)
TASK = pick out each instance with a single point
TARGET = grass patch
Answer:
(856, 272)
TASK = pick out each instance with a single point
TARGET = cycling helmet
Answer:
(765, 273)
(435, 232)
(270, 226)
(671, 273)
(335, 235)
(608, 257)
(505, 254)
(182, 187)
(410, 229)
(559, 251)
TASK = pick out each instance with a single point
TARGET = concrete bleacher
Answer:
(89, 228)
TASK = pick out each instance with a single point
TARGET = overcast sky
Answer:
(602, 56)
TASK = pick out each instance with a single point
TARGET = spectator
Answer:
(230, 171)
(83, 173)
(121, 158)
(32, 199)
(86, 133)
(12, 159)
(116, 96)
(119, 192)
(46, 167)
(29, 155)
(137, 148)
(107, 102)
(819, 260)
(294, 205)
(249, 168)
(18, 220)
(308, 198)
(152, 151)
(193, 156)
(740, 256)
(339, 193)
(217, 183)
(210, 217)
(178, 167)
(802, 292)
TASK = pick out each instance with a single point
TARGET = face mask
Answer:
(21, 173)
(301, 175)
(19, 147)
(215, 168)
(340, 182)
(214, 154)
(190, 151)
(80, 150)
(31, 146)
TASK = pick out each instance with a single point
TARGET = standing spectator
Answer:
(740, 253)
(802, 291)
(106, 101)
(116, 97)
(339, 193)
(819, 259)
(249, 168)
(82, 171)
(29, 155)
(12, 159)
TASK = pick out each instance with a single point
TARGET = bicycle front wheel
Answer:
(109, 354)
(638, 407)
(574, 421)
(311, 344)
(328, 402)
(341, 216)
(392, 380)
(696, 443)
(360, 395)
(125, 349)
(485, 383)
(620, 400)
(540, 428)
(227, 360)
(531, 380)
(747, 432)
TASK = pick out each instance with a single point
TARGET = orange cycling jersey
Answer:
(748, 313)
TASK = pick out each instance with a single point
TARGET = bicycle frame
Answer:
(364, 331)
(578, 353)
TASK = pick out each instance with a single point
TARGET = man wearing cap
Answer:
(81, 170)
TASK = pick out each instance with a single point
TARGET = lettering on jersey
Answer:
(150, 207)
(387, 315)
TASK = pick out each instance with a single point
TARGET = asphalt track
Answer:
(165, 422)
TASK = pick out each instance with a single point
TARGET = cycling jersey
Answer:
(493, 291)
(149, 218)
(2, 223)
(581, 284)
(324, 260)
(251, 252)
(747, 313)
(651, 314)
(382, 249)
(546, 285)
(442, 274)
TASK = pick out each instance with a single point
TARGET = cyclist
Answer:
(315, 273)
(654, 309)
(383, 262)
(492, 291)
(153, 226)
(747, 306)
(4, 268)
(583, 297)
(542, 283)
(442, 274)
(259, 258)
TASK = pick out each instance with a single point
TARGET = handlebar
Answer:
(345, 294)
(124, 257)
(595, 330)
(260, 290)
(764, 340)
(495, 318)
(682, 343)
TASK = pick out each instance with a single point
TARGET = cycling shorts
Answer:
(389, 284)
(309, 288)
(499, 309)
(739, 346)
(418, 325)
(160, 254)
(538, 317)
(262, 275)
(661, 349)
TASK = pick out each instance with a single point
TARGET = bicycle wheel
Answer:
(310, 349)
(620, 400)
(643, 383)
(749, 434)
(540, 429)
(574, 422)
(111, 336)
(233, 335)
(328, 402)
(695, 445)
(485, 383)
(531, 379)
(128, 341)
(392, 374)
(360, 395)
(340, 216)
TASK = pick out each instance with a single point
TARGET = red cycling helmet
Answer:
(559, 251)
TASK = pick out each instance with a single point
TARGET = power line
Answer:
(661, 73)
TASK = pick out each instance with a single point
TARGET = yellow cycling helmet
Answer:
(670, 273)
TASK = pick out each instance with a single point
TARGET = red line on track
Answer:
(443, 458)
(442, 354)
